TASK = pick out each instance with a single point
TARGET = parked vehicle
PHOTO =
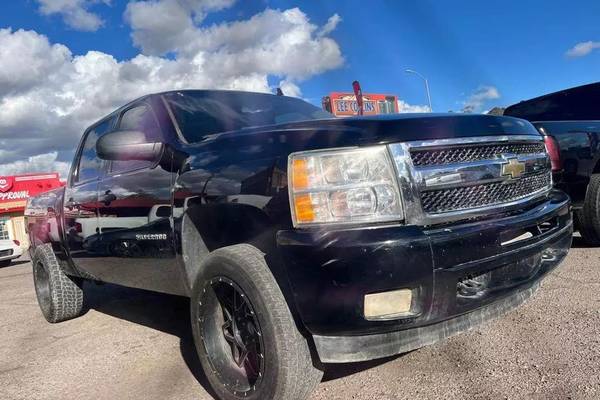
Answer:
(303, 239)
(9, 250)
(570, 122)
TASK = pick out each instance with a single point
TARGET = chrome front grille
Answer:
(463, 198)
(426, 157)
(452, 179)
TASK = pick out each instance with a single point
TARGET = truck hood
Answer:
(276, 141)
(390, 128)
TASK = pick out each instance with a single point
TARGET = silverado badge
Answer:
(514, 168)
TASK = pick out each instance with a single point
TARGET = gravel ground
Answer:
(133, 344)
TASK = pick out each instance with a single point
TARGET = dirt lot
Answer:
(133, 344)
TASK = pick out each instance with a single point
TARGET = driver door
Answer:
(135, 212)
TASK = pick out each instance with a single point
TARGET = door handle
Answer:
(108, 198)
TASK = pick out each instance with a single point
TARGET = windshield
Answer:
(202, 113)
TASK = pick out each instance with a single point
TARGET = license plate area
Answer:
(514, 236)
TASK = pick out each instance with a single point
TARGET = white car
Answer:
(9, 250)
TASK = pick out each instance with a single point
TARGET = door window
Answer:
(139, 118)
(90, 166)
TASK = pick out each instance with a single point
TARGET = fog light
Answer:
(388, 305)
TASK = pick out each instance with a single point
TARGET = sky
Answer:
(66, 63)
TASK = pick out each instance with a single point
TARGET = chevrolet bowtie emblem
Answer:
(514, 168)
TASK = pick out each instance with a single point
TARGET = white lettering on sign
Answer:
(344, 106)
(23, 194)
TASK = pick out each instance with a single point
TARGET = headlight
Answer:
(343, 186)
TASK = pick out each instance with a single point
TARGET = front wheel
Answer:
(245, 335)
(5, 263)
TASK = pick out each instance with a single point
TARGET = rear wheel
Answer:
(59, 296)
(588, 217)
(246, 338)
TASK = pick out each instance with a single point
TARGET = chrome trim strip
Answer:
(476, 172)
(409, 191)
(412, 180)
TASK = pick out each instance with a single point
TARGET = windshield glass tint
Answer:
(200, 113)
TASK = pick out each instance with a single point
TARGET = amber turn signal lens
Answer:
(299, 174)
(304, 208)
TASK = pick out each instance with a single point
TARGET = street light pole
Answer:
(411, 71)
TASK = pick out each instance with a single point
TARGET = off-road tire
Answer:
(289, 371)
(59, 295)
(588, 217)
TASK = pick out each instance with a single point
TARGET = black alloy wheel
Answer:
(231, 335)
(247, 341)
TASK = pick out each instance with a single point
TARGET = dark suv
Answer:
(301, 239)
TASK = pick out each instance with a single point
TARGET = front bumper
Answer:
(330, 272)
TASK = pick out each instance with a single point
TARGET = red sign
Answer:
(6, 183)
(15, 190)
(347, 104)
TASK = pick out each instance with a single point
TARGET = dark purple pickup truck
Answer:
(301, 239)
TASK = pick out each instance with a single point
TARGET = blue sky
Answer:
(66, 63)
(518, 47)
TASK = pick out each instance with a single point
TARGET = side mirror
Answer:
(128, 145)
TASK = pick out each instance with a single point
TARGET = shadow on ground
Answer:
(165, 313)
(579, 243)
(339, 371)
(170, 314)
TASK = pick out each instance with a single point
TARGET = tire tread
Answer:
(66, 293)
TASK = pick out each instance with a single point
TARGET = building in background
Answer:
(14, 192)
(345, 105)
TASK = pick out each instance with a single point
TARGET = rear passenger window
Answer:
(138, 118)
(90, 166)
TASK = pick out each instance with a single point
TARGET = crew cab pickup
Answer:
(570, 122)
(301, 239)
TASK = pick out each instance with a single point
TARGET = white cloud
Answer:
(48, 95)
(271, 42)
(404, 107)
(582, 49)
(40, 163)
(331, 24)
(26, 60)
(479, 98)
(75, 13)
(290, 88)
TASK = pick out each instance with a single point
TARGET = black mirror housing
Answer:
(128, 145)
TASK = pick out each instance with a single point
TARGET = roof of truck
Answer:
(573, 104)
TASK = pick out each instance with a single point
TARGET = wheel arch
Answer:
(207, 228)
